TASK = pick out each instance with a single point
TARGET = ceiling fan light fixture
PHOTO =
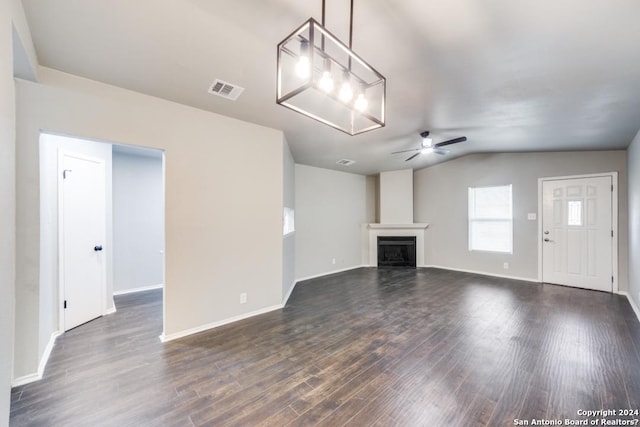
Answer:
(312, 48)
(428, 146)
(426, 141)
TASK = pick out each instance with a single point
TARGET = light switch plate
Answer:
(532, 216)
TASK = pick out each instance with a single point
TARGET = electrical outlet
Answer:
(333, 261)
(243, 298)
(505, 265)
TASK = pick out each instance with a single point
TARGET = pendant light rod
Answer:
(350, 26)
(324, 15)
(323, 18)
(350, 31)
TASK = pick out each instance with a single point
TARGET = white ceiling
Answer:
(511, 75)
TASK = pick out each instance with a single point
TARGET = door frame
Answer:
(614, 221)
(61, 289)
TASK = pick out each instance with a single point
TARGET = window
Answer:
(574, 212)
(490, 219)
(288, 222)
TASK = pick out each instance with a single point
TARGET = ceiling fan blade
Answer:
(405, 151)
(412, 156)
(451, 141)
(441, 151)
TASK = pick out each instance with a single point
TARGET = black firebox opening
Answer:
(396, 252)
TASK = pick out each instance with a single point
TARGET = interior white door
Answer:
(577, 242)
(83, 231)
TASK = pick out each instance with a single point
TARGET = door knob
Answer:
(547, 240)
(97, 248)
(546, 232)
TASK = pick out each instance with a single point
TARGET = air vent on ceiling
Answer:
(225, 90)
(345, 162)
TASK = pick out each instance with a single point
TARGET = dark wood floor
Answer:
(422, 347)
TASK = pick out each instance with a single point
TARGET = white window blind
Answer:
(491, 219)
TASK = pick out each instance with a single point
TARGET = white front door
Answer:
(577, 242)
(83, 231)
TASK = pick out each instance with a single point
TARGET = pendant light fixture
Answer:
(322, 78)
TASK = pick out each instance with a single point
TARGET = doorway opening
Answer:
(102, 227)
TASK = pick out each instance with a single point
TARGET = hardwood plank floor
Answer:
(423, 347)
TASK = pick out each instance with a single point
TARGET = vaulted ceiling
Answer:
(511, 75)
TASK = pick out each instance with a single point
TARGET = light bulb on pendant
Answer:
(346, 93)
(361, 103)
(326, 81)
(303, 68)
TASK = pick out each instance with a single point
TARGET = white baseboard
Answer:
(315, 276)
(140, 289)
(176, 335)
(284, 302)
(47, 352)
(26, 379)
(111, 309)
(286, 298)
(170, 337)
(635, 308)
(484, 273)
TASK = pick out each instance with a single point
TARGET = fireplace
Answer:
(396, 252)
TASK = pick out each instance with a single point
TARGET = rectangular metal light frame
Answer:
(374, 116)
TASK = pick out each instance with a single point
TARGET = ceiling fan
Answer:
(428, 146)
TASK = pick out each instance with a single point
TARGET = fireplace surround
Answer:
(375, 230)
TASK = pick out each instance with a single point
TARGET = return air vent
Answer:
(345, 162)
(226, 90)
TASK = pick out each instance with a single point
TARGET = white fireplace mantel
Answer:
(419, 225)
(415, 229)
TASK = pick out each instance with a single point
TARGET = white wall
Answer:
(373, 199)
(331, 208)
(441, 200)
(7, 207)
(289, 241)
(633, 156)
(396, 197)
(138, 220)
(25, 61)
(223, 219)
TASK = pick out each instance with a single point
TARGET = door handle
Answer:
(97, 248)
(546, 239)
(546, 232)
